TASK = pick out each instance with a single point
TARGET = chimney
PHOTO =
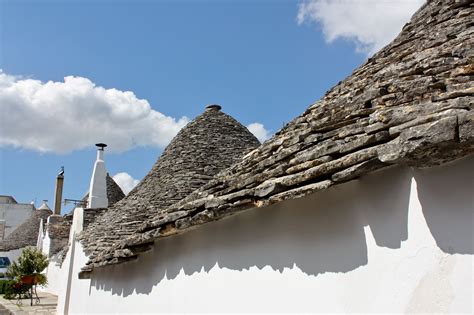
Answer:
(59, 191)
(98, 186)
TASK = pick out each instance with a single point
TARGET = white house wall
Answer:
(400, 240)
(14, 214)
(63, 276)
(56, 275)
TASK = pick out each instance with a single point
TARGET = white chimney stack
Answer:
(98, 186)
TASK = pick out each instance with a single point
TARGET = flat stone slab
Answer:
(47, 306)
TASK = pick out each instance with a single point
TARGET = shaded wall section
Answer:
(449, 212)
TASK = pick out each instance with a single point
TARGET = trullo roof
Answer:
(210, 143)
(26, 234)
(114, 192)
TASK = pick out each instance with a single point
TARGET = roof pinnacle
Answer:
(213, 107)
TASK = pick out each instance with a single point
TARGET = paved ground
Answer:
(47, 305)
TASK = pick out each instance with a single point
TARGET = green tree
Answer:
(30, 263)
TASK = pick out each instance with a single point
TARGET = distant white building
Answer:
(12, 214)
(25, 234)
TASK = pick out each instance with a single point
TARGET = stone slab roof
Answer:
(114, 192)
(59, 227)
(410, 104)
(26, 234)
(210, 143)
(7, 199)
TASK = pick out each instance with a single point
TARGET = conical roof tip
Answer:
(114, 192)
(44, 206)
(211, 142)
(214, 107)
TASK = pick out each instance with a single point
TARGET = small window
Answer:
(4, 262)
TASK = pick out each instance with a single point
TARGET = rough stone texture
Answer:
(26, 234)
(60, 227)
(58, 230)
(210, 143)
(114, 192)
(410, 104)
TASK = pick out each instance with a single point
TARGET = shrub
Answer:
(14, 289)
(30, 264)
(3, 284)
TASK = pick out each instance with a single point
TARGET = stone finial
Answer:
(214, 107)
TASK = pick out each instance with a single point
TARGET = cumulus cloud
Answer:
(71, 115)
(259, 131)
(125, 181)
(371, 24)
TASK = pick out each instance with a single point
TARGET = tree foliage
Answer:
(30, 263)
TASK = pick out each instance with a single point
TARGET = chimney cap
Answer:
(101, 146)
(214, 107)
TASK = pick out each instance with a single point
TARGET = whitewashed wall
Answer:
(14, 214)
(56, 276)
(62, 276)
(399, 240)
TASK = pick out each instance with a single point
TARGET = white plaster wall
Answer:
(61, 274)
(45, 244)
(67, 285)
(14, 214)
(56, 272)
(399, 240)
(56, 276)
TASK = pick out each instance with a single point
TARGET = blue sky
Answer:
(264, 61)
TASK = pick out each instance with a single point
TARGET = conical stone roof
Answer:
(210, 143)
(60, 228)
(44, 206)
(410, 104)
(26, 234)
(114, 192)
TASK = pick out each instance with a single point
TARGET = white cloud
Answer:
(259, 131)
(71, 115)
(125, 181)
(371, 24)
